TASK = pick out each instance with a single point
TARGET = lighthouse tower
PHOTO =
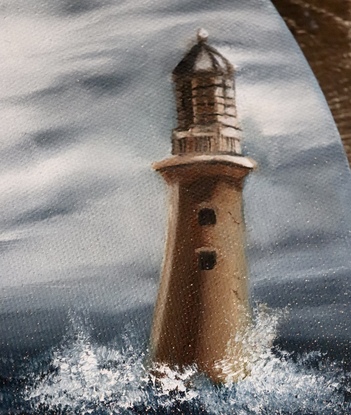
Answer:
(203, 296)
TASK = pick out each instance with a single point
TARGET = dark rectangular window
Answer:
(207, 260)
(207, 217)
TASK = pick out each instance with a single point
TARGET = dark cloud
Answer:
(330, 348)
(187, 7)
(108, 83)
(30, 148)
(29, 333)
(65, 203)
(318, 310)
(44, 213)
(297, 240)
(36, 318)
(101, 83)
(53, 138)
(311, 291)
(77, 7)
(63, 8)
(325, 329)
(7, 244)
(74, 197)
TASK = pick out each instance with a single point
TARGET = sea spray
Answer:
(88, 378)
(253, 346)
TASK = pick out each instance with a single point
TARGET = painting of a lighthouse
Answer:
(203, 298)
(175, 222)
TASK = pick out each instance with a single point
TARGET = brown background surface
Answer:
(323, 30)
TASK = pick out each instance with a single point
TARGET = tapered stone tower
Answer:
(203, 296)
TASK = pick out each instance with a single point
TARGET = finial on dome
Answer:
(202, 35)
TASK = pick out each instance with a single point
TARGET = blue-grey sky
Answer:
(87, 105)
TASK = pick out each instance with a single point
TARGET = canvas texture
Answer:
(88, 104)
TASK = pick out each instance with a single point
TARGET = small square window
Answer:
(207, 217)
(207, 260)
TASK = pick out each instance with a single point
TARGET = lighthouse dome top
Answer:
(203, 59)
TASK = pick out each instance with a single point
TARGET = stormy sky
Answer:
(87, 105)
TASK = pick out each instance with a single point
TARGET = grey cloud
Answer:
(102, 53)
(267, 72)
(297, 240)
(64, 203)
(109, 83)
(52, 7)
(318, 329)
(53, 138)
(75, 197)
(85, 287)
(311, 291)
(334, 347)
(278, 161)
(29, 147)
(40, 316)
(7, 244)
(49, 92)
(28, 333)
(332, 153)
(101, 83)
(44, 213)
(318, 308)
(186, 7)
(77, 7)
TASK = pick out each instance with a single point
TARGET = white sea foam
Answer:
(88, 378)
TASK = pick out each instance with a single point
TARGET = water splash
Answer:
(251, 348)
(86, 378)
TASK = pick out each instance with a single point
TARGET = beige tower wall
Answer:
(199, 311)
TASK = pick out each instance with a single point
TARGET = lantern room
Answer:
(204, 86)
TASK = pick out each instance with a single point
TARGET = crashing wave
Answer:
(87, 378)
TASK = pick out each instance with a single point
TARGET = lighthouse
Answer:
(203, 297)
